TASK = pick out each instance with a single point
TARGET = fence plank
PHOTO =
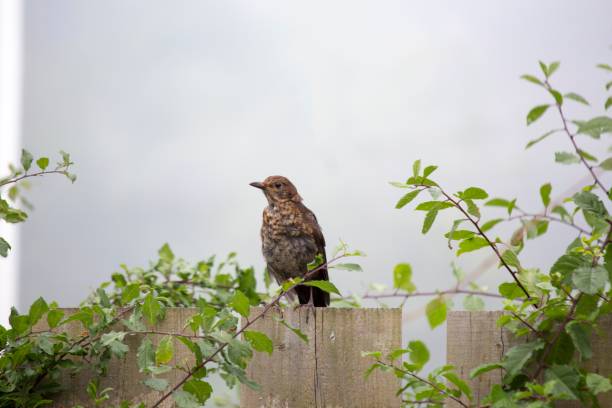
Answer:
(473, 338)
(328, 370)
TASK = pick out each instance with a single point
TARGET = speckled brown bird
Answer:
(291, 238)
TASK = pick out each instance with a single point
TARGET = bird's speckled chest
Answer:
(287, 240)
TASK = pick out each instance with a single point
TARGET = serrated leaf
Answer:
(42, 163)
(151, 309)
(566, 158)
(402, 277)
(575, 97)
(484, 368)
(165, 253)
(145, 357)
(408, 197)
(37, 310)
(565, 379)
(472, 208)
(595, 127)
(164, 351)
(54, 316)
(327, 286)
(201, 390)
(183, 399)
(157, 384)
(259, 341)
(418, 353)
(590, 279)
(535, 113)
(130, 292)
(240, 303)
(510, 258)
(436, 312)
(516, 358)
(589, 202)
(26, 159)
(510, 290)
(597, 383)
(580, 335)
(545, 194)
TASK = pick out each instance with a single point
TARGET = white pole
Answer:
(10, 129)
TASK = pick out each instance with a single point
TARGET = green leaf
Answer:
(130, 292)
(419, 354)
(19, 323)
(498, 202)
(459, 234)
(240, 303)
(605, 67)
(416, 167)
(516, 358)
(545, 194)
(151, 309)
(402, 277)
(459, 383)
(565, 379)
(348, 267)
(473, 193)
(54, 316)
(26, 159)
(539, 139)
(471, 244)
(145, 356)
(608, 85)
(535, 113)
(587, 156)
(490, 224)
(589, 202)
(157, 384)
(553, 67)
(473, 303)
(428, 170)
(408, 197)
(566, 158)
(430, 217)
(608, 102)
(201, 390)
(606, 164)
(42, 163)
(532, 79)
(327, 286)
(580, 335)
(595, 127)
(259, 341)
(510, 258)
(37, 310)
(557, 95)
(164, 351)
(575, 97)
(510, 290)
(472, 208)
(4, 247)
(433, 205)
(436, 311)
(597, 383)
(295, 330)
(165, 253)
(114, 341)
(484, 368)
(590, 279)
(184, 399)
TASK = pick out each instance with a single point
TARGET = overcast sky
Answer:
(169, 112)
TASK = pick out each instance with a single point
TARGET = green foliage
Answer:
(18, 181)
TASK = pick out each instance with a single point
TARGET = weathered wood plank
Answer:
(328, 370)
(473, 338)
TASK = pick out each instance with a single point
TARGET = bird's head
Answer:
(278, 189)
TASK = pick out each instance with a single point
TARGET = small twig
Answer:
(572, 137)
(457, 400)
(436, 293)
(526, 323)
(548, 218)
(40, 173)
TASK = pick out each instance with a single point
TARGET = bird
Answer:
(291, 238)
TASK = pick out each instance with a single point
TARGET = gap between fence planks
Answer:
(328, 371)
(473, 338)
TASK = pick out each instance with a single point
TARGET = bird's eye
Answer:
(278, 185)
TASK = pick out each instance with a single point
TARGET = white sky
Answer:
(169, 112)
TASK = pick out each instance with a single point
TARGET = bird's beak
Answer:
(258, 185)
